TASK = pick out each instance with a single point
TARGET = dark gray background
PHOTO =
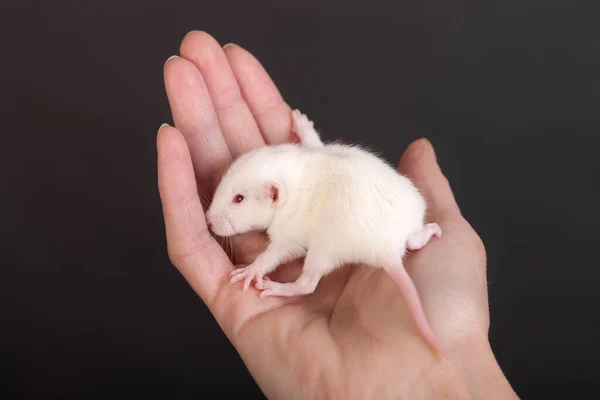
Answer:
(508, 92)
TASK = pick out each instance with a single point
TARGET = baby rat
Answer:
(333, 204)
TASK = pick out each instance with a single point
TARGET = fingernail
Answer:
(189, 33)
(158, 133)
(161, 127)
(228, 45)
(427, 143)
(432, 149)
(171, 58)
(425, 140)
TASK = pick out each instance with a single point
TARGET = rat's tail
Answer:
(400, 276)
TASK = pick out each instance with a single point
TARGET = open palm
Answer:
(354, 337)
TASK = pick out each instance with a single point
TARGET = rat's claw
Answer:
(251, 277)
(247, 274)
(235, 272)
(248, 281)
(238, 276)
(266, 293)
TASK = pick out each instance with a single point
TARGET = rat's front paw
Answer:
(248, 274)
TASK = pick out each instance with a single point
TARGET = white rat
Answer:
(334, 204)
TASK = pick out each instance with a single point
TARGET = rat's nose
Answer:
(208, 224)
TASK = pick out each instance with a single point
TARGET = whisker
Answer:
(216, 178)
(204, 199)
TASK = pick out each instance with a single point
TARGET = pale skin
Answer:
(352, 338)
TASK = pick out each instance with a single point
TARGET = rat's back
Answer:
(357, 204)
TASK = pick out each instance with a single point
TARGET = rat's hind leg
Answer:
(304, 128)
(395, 269)
(316, 264)
(420, 238)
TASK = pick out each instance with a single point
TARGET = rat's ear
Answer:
(275, 191)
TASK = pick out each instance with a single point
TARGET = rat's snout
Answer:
(219, 224)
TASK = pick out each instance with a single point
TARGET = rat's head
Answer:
(245, 199)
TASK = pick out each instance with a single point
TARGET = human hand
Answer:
(353, 338)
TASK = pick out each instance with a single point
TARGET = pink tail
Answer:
(401, 277)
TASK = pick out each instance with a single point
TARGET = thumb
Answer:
(450, 273)
(419, 163)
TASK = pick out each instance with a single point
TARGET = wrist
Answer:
(483, 376)
(473, 374)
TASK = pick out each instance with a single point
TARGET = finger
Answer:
(238, 126)
(191, 247)
(195, 117)
(420, 164)
(271, 112)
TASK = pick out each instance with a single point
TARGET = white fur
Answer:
(337, 204)
(337, 197)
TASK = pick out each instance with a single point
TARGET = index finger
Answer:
(237, 123)
(195, 117)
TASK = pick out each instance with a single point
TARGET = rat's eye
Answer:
(238, 198)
